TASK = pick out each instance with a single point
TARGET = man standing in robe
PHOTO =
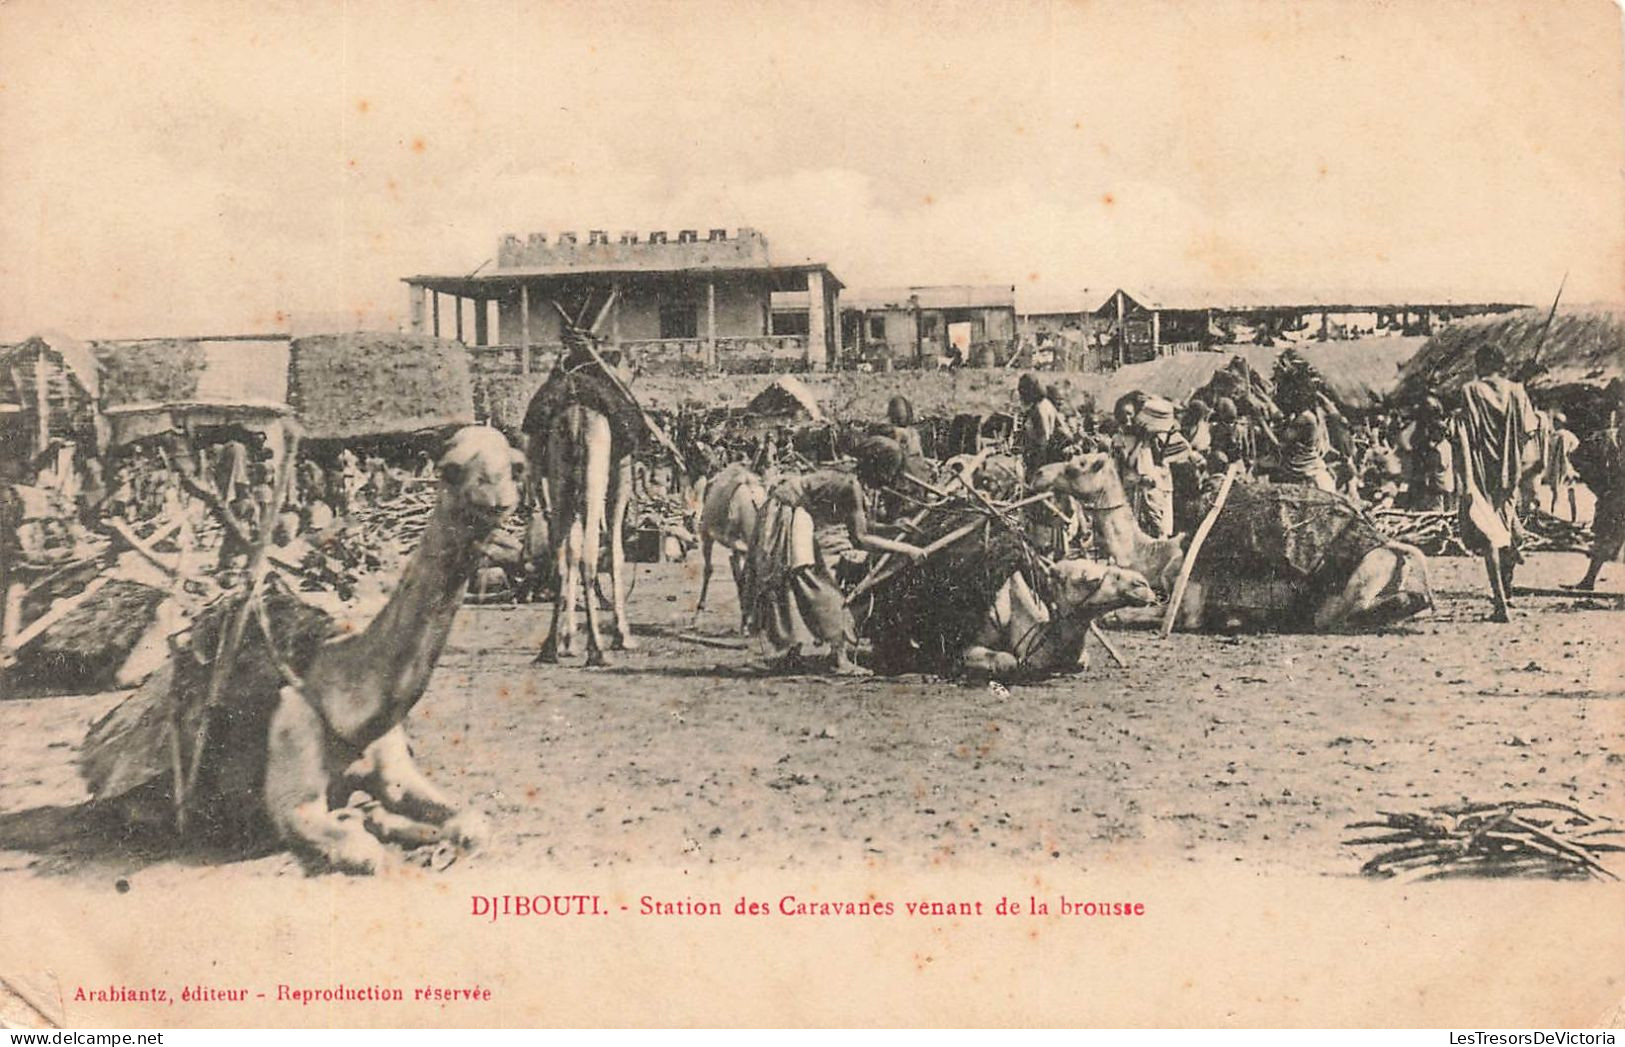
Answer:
(1494, 433)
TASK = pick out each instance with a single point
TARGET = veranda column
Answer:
(817, 334)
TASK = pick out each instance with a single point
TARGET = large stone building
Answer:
(683, 303)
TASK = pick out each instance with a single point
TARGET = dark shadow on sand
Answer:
(91, 837)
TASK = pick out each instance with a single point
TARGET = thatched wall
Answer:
(368, 384)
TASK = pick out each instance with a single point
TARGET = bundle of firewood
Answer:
(664, 513)
(1547, 533)
(1541, 838)
(399, 520)
(1438, 532)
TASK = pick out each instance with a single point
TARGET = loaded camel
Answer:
(581, 430)
(1265, 561)
(337, 724)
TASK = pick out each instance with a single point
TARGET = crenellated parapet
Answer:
(659, 249)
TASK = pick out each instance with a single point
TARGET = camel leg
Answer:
(403, 790)
(558, 496)
(620, 493)
(592, 499)
(736, 563)
(982, 661)
(707, 543)
(563, 563)
(395, 828)
(296, 782)
(570, 581)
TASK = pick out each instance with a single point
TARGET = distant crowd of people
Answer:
(1485, 461)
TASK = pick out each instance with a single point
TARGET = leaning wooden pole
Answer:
(1178, 594)
(232, 638)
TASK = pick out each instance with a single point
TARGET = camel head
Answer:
(480, 473)
(1086, 588)
(1090, 478)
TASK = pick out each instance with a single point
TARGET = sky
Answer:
(196, 167)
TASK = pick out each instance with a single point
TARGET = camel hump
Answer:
(586, 388)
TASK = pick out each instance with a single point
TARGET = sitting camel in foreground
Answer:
(1281, 555)
(307, 716)
(1021, 636)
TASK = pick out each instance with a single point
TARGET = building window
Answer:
(679, 320)
(877, 328)
(791, 321)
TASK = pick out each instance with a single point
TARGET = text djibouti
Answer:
(493, 906)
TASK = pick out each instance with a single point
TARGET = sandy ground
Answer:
(1252, 749)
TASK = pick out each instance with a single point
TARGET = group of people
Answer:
(1485, 460)
(172, 478)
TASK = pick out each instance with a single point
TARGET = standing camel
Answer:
(589, 483)
(733, 499)
(580, 441)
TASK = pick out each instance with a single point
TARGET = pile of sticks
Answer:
(1438, 532)
(1547, 533)
(1435, 532)
(398, 521)
(664, 513)
(1541, 839)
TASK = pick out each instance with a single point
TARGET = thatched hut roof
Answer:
(1173, 377)
(64, 373)
(1357, 372)
(72, 355)
(344, 386)
(1585, 347)
(154, 371)
(787, 398)
(1361, 372)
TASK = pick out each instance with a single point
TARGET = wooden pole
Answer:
(524, 329)
(1097, 633)
(459, 300)
(42, 402)
(931, 550)
(711, 324)
(1122, 330)
(226, 661)
(435, 311)
(57, 612)
(1178, 594)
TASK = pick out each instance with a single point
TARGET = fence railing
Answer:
(737, 353)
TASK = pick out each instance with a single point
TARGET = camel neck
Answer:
(1116, 531)
(1059, 646)
(408, 634)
